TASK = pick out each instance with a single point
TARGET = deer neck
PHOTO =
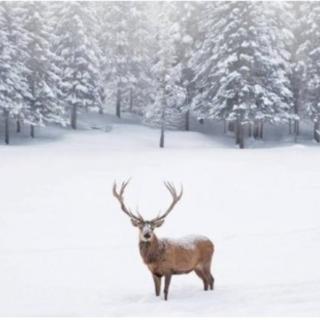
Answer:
(151, 251)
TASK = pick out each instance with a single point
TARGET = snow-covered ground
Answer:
(67, 249)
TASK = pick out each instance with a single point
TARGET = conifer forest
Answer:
(244, 65)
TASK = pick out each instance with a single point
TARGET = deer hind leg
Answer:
(210, 279)
(208, 275)
(167, 280)
(157, 284)
(201, 275)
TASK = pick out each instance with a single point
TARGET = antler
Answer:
(176, 197)
(119, 196)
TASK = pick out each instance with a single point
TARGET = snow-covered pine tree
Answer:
(95, 30)
(298, 66)
(116, 50)
(169, 95)
(143, 49)
(202, 63)
(187, 14)
(126, 42)
(43, 76)
(77, 47)
(243, 68)
(13, 82)
(309, 58)
(283, 21)
(56, 61)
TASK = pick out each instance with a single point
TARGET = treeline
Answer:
(244, 63)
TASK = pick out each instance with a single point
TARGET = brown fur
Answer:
(165, 257)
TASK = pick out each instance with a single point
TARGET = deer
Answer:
(166, 257)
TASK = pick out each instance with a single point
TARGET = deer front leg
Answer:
(157, 284)
(167, 280)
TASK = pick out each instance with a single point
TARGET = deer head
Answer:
(146, 227)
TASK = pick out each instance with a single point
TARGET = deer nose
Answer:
(147, 235)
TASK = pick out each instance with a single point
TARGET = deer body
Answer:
(167, 257)
(176, 256)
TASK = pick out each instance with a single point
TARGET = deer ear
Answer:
(135, 223)
(158, 223)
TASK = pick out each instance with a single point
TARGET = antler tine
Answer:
(176, 197)
(173, 190)
(138, 213)
(119, 196)
(123, 186)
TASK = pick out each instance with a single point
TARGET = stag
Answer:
(166, 257)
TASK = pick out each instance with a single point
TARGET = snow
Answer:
(187, 242)
(66, 249)
(187, 39)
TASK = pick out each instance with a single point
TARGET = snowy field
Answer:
(67, 249)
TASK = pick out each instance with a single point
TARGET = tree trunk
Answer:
(163, 119)
(100, 110)
(187, 117)
(297, 127)
(256, 129)
(225, 126)
(296, 130)
(231, 126)
(290, 126)
(241, 136)
(250, 130)
(316, 131)
(18, 126)
(118, 104)
(74, 117)
(261, 130)
(237, 132)
(6, 130)
(162, 136)
(201, 121)
(32, 131)
(131, 100)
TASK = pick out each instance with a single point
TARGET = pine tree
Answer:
(43, 76)
(169, 96)
(141, 57)
(95, 30)
(202, 60)
(13, 83)
(243, 68)
(116, 50)
(298, 65)
(77, 47)
(309, 55)
(284, 23)
(187, 14)
(126, 43)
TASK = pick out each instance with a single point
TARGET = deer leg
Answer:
(212, 282)
(208, 275)
(202, 277)
(157, 284)
(167, 280)
(210, 278)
